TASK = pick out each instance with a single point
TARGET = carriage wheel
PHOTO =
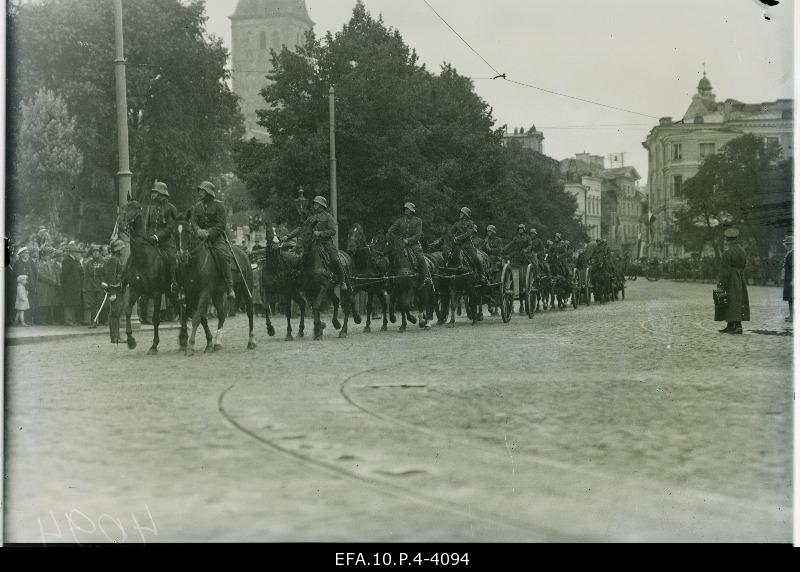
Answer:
(530, 291)
(506, 293)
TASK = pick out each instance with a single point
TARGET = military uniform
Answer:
(462, 231)
(409, 228)
(733, 282)
(323, 223)
(519, 247)
(94, 273)
(162, 220)
(493, 246)
(114, 272)
(209, 214)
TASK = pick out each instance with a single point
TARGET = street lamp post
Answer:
(334, 204)
(124, 174)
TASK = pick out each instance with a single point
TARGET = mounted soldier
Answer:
(409, 228)
(161, 220)
(209, 221)
(462, 231)
(493, 245)
(320, 225)
(519, 247)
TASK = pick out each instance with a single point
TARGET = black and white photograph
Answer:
(414, 276)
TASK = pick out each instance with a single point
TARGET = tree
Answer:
(402, 134)
(740, 186)
(183, 118)
(47, 156)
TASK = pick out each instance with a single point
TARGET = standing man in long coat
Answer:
(788, 276)
(71, 283)
(732, 281)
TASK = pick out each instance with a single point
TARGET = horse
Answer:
(203, 284)
(147, 273)
(318, 283)
(410, 289)
(281, 281)
(544, 284)
(370, 268)
(560, 280)
(460, 278)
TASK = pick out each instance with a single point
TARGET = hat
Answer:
(533, 231)
(21, 250)
(466, 211)
(117, 246)
(321, 201)
(22, 278)
(520, 225)
(411, 207)
(491, 228)
(558, 235)
(161, 188)
(731, 233)
(208, 187)
(94, 247)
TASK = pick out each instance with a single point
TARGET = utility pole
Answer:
(124, 174)
(334, 203)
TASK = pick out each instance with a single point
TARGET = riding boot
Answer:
(727, 328)
(737, 328)
(229, 280)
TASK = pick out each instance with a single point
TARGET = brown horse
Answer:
(203, 284)
(281, 281)
(370, 268)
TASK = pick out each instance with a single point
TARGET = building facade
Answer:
(257, 27)
(677, 148)
(587, 194)
(530, 139)
(622, 211)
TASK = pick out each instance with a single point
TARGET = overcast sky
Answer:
(642, 55)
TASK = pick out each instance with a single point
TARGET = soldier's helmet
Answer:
(491, 228)
(117, 246)
(731, 233)
(321, 201)
(466, 212)
(558, 235)
(411, 207)
(520, 226)
(549, 243)
(208, 187)
(160, 188)
(533, 231)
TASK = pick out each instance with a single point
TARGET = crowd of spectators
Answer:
(759, 271)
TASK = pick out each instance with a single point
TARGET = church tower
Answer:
(258, 26)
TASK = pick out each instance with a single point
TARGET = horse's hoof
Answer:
(412, 319)
(270, 331)
(336, 324)
(384, 328)
(289, 337)
(208, 349)
(189, 352)
(131, 344)
(427, 327)
(450, 325)
(367, 329)
(480, 317)
(342, 334)
(402, 329)
(251, 345)
(356, 319)
(421, 324)
(393, 319)
(152, 352)
(301, 334)
(217, 347)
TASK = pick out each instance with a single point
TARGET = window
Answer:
(677, 182)
(677, 151)
(707, 149)
(262, 40)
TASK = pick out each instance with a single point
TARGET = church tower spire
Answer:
(258, 26)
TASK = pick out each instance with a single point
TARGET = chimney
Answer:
(665, 121)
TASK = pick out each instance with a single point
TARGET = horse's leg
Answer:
(392, 303)
(287, 311)
(451, 323)
(198, 317)
(251, 336)
(156, 321)
(268, 313)
(316, 304)
(220, 303)
(369, 310)
(133, 298)
(347, 308)
(335, 301)
(301, 303)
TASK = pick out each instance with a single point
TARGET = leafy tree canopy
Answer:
(402, 134)
(183, 118)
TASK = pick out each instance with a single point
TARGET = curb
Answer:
(25, 340)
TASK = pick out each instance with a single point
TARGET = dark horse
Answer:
(281, 281)
(456, 278)
(203, 284)
(410, 289)
(318, 283)
(370, 268)
(147, 273)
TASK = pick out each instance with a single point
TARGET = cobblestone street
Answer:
(628, 421)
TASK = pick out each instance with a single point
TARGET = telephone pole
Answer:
(334, 198)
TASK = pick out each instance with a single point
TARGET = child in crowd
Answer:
(21, 304)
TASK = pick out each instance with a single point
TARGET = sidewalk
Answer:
(20, 335)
